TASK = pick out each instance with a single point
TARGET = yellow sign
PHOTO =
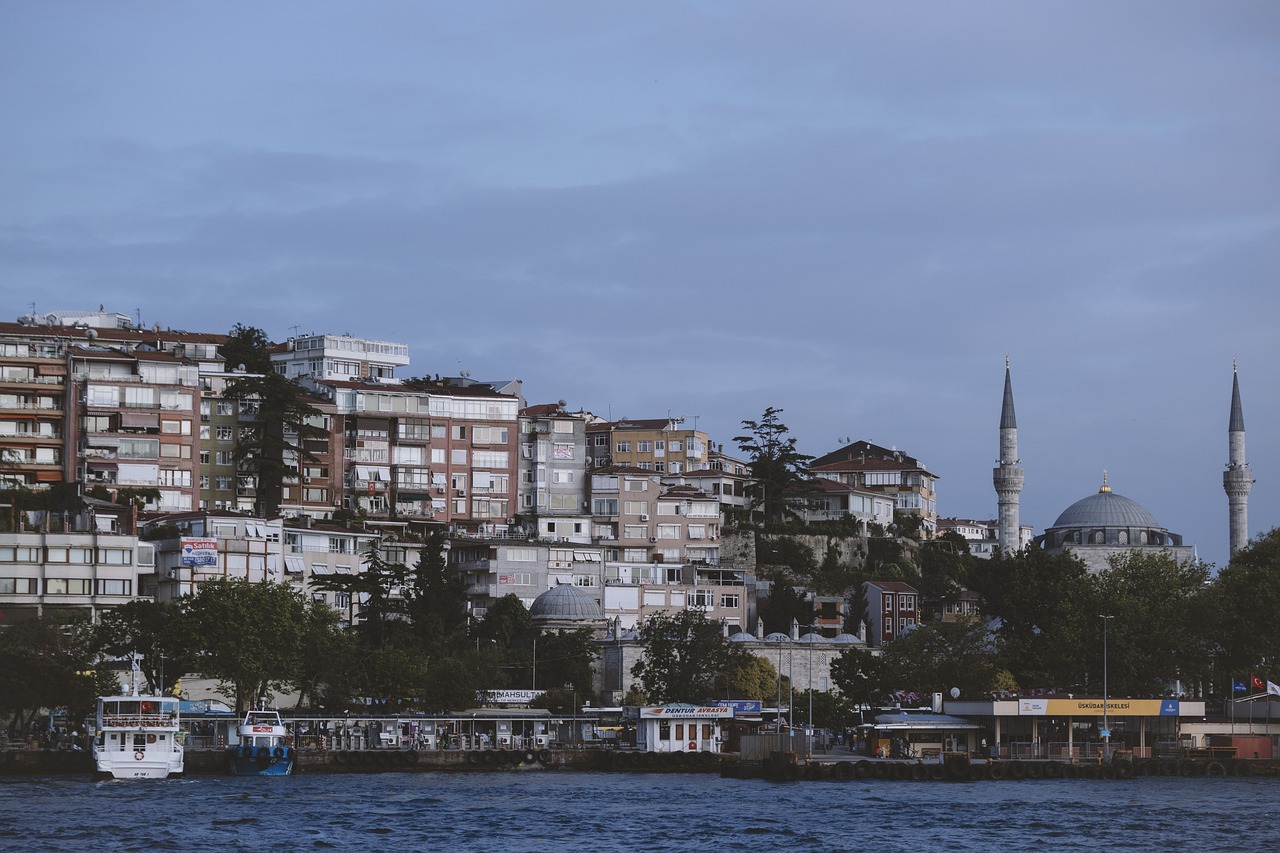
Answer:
(1093, 707)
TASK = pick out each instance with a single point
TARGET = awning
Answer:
(318, 569)
(915, 722)
(140, 420)
(294, 565)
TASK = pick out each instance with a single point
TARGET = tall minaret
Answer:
(1008, 477)
(1237, 480)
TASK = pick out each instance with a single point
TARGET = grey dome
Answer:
(777, 637)
(742, 637)
(1106, 509)
(845, 638)
(565, 603)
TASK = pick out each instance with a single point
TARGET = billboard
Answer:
(199, 552)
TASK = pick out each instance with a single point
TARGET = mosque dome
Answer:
(565, 603)
(1106, 509)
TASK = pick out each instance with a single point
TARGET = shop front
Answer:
(681, 728)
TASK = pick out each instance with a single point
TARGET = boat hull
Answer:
(276, 762)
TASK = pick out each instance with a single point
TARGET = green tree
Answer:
(374, 587)
(435, 598)
(251, 635)
(564, 659)
(1156, 634)
(777, 468)
(452, 683)
(831, 711)
(506, 622)
(327, 670)
(684, 656)
(272, 445)
(1242, 604)
(45, 665)
(784, 605)
(1046, 609)
(752, 678)
(937, 656)
(860, 677)
(397, 678)
(156, 633)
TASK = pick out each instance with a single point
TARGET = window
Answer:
(637, 485)
(644, 446)
(108, 586)
(562, 477)
(560, 450)
(66, 586)
(458, 457)
(459, 433)
(668, 531)
(223, 483)
(602, 441)
(225, 457)
(701, 598)
(624, 447)
(635, 531)
(17, 586)
(604, 506)
(226, 408)
(729, 600)
(115, 556)
(636, 507)
(888, 602)
(584, 580)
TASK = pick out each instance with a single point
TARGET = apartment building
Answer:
(35, 436)
(661, 445)
(426, 450)
(554, 467)
(982, 536)
(726, 478)
(59, 565)
(494, 567)
(211, 546)
(887, 471)
(825, 498)
(893, 609)
(315, 550)
(136, 414)
(339, 357)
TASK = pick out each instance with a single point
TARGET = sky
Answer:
(851, 211)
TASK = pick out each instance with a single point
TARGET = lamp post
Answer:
(1106, 729)
(812, 630)
(778, 716)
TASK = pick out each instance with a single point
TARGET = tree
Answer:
(860, 676)
(1156, 635)
(247, 349)
(156, 633)
(251, 635)
(684, 655)
(1046, 611)
(435, 598)
(753, 678)
(45, 665)
(564, 659)
(374, 587)
(786, 604)
(506, 622)
(778, 469)
(272, 444)
(1242, 605)
(327, 668)
(940, 655)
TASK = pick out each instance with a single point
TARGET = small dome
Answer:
(1106, 509)
(813, 638)
(565, 603)
(845, 638)
(742, 637)
(777, 637)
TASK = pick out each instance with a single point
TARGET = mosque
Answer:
(1102, 525)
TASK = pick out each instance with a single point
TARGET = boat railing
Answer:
(135, 721)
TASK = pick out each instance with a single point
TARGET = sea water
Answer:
(634, 812)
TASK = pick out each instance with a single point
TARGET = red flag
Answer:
(1259, 684)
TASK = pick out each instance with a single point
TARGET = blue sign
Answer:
(1169, 708)
(740, 706)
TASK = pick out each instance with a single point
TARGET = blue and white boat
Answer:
(264, 748)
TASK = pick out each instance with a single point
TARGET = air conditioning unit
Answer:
(462, 493)
(644, 516)
(653, 538)
(511, 521)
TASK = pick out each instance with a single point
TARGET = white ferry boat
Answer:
(137, 737)
(264, 748)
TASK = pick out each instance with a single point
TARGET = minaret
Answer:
(1008, 477)
(1237, 480)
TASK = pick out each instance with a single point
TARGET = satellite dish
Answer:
(955, 692)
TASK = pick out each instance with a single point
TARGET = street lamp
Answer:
(1106, 729)
(812, 630)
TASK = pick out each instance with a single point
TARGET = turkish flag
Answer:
(1259, 684)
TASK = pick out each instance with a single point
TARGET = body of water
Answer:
(635, 812)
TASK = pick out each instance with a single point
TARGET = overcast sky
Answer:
(848, 210)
